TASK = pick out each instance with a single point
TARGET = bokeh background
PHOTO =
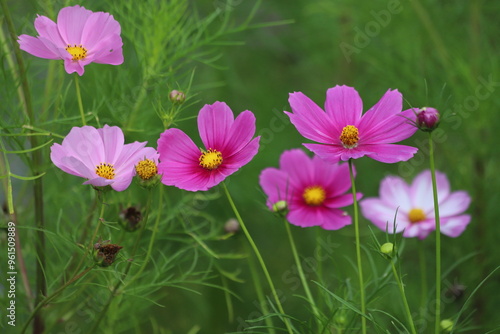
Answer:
(443, 54)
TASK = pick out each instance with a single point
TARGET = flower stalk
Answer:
(401, 289)
(358, 249)
(79, 99)
(259, 258)
(438, 235)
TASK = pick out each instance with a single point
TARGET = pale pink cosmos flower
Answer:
(411, 207)
(346, 134)
(100, 156)
(311, 190)
(228, 146)
(79, 37)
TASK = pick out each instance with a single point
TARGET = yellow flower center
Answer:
(416, 215)
(146, 169)
(314, 195)
(349, 136)
(106, 171)
(210, 159)
(78, 52)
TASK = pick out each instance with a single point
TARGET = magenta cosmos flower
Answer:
(346, 134)
(228, 146)
(100, 156)
(414, 205)
(313, 190)
(79, 37)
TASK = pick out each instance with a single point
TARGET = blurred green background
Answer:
(442, 54)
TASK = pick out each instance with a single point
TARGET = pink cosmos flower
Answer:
(100, 156)
(228, 146)
(415, 206)
(80, 37)
(313, 190)
(346, 134)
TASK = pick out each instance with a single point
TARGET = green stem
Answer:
(301, 272)
(127, 268)
(403, 295)
(36, 160)
(358, 248)
(259, 258)
(79, 99)
(438, 235)
(49, 298)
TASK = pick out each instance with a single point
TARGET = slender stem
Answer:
(49, 298)
(79, 99)
(259, 258)
(36, 160)
(358, 248)
(127, 268)
(403, 295)
(101, 198)
(438, 235)
(301, 271)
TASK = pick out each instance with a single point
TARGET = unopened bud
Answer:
(387, 249)
(427, 119)
(177, 97)
(446, 325)
(281, 207)
(232, 226)
(340, 320)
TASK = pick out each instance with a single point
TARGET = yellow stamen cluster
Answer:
(146, 169)
(416, 215)
(105, 170)
(314, 195)
(349, 136)
(78, 52)
(211, 159)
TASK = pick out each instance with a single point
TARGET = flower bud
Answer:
(427, 119)
(281, 207)
(446, 325)
(340, 320)
(387, 249)
(232, 226)
(177, 97)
